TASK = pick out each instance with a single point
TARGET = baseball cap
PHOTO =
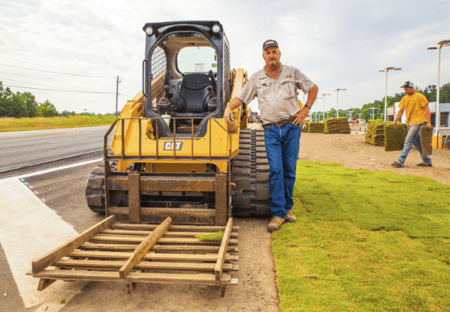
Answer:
(408, 84)
(270, 43)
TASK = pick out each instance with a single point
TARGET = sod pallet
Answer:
(336, 125)
(394, 137)
(143, 253)
(375, 132)
(426, 136)
(315, 127)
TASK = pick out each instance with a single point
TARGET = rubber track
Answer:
(95, 189)
(251, 173)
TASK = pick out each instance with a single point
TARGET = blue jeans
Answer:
(413, 138)
(282, 147)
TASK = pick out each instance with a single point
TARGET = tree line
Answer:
(367, 113)
(20, 105)
(23, 105)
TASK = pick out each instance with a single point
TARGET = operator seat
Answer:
(194, 96)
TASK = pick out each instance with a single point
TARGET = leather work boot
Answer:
(275, 224)
(290, 216)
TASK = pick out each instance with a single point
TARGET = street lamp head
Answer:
(432, 48)
(381, 70)
(443, 42)
(390, 67)
(398, 68)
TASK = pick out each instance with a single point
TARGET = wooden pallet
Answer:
(143, 253)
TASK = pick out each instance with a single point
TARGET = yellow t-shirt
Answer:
(413, 106)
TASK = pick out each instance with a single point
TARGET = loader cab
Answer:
(185, 76)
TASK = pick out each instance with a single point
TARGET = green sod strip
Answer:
(426, 136)
(394, 137)
(210, 237)
(364, 241)
(315, 127)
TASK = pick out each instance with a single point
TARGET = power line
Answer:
(14, 74)
(26, 82)
(48, 71)
(62, 90)
(7, 58)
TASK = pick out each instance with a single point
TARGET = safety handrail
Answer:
(150, 119)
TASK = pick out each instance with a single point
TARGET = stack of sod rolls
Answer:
(315, 127)
(394, 136)
(336, 125)
(375, 131)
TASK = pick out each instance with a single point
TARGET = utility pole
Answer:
(117, 95)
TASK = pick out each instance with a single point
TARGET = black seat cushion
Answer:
(194, 94)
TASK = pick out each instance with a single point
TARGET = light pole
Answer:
(337, 100)
(323, 96)
(351, 113)
(387, 69)
(315, 116)
(373, 112)
(440, 44)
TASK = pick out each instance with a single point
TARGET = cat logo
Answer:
(168, 146)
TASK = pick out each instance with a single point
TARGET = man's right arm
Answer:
(228, 114)
(399, 115)
(247, 94)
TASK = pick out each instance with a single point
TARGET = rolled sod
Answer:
(375, 132)
(336, 125)
(394, 137)
(315, 127)
(426, 136)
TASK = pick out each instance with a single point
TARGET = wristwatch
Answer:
(308, 106)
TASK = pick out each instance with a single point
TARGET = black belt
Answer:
(282, 123)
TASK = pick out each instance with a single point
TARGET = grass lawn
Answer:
(364, 241)
(43, 123)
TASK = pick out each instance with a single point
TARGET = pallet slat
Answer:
(145, 246)
(156, 247)
(132, 277)
(142, 265)
(139, 239)
(223, 248)
(167, 234)
(149, 256)
(187, 228)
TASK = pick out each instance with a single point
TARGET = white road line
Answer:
(54, 169)
(28, 230)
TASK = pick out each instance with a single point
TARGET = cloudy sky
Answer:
(70, 52)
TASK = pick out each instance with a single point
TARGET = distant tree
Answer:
(30, 103)
(5, 97)
(47, 109)
(66, 113)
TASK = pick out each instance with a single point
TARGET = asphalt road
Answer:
(24, 148)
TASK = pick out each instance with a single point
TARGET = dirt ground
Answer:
(351, 151)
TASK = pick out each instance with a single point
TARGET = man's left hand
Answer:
(301, 116)
(429, 125)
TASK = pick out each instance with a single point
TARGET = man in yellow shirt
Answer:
(417, 115)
